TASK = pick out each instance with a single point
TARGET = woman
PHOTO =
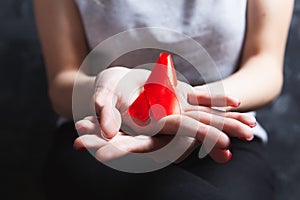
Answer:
(247, 41)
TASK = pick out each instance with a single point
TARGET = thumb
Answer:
(110, 121)
(109, 116)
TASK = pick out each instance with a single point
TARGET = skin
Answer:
(262, 59)
(195, 120)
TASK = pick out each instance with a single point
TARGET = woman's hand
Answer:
(122, 144)
(198, 121)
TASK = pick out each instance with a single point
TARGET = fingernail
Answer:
(79, 128)
(251, 138)
(251, 119)
(247, 139)
(237, 102)
(103, 135)
(252, 125)
(230, 156)
(79, 147)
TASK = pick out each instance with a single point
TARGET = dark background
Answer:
(26, 119)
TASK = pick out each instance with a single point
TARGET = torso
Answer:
(219, 26)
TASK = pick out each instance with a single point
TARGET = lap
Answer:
(76, 174)
(247, 176)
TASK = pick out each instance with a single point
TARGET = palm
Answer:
(118, 87)
(124, 89)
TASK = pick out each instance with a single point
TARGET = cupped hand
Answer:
(122, 144)
(118, 87)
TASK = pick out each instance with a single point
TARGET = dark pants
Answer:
(72, 174)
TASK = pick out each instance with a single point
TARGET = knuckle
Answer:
(237, 127)
(241, 117)
(202, 131)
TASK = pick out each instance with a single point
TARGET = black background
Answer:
(27, 120)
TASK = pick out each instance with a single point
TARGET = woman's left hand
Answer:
(200, 119)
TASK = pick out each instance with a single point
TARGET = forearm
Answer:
(260, 77)
(257, 83)
(61, 91)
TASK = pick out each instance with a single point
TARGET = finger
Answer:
(177, 150)
(245, 118)
(231, 127)
(88, 125)
(110, 118)
(89, 142)
(108, 153)
(204, 98)
(193, 144)
(104, 96)
(110, 121)
(220, 155)
(120, 146)
(187, 126)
